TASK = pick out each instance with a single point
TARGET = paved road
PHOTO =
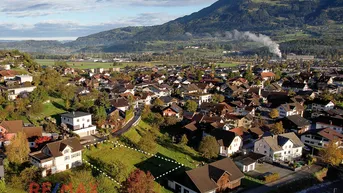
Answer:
(286, 179)
(126, 127)
(334, 187)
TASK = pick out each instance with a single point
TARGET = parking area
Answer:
(265, 168)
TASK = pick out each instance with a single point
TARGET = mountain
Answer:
(268, 16)
(283, 20)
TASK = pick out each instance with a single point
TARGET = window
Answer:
(75, 155)
(87, 120)
(265, 151)
(306, 141)
(66, 158)
(297, 150)
(77, 120)
(289, 152)
(258, 149)
(284, 152)
(185, 191)
(66, 151)
(264, 146)
(260, 144)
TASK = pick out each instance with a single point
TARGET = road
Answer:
(127, 126)
(330, 187)
(291, 177)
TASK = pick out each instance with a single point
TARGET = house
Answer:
(24, 78)
(121, 104)
(58, 156)
(247, 161)
(296, 124)
(216, 108)
(173, 110)
(320, 138)
(14, 92)
(333, 122)
(290, 109)
(229, 142)
(294, 86)
(79, 123)
(9, 129)
(7, 75)
(234, 121)
(168, 100)
(321, 105)
(284, 147)
(198, 97)
(215, 177)
(267, 76)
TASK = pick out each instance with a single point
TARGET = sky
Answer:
(69, 19)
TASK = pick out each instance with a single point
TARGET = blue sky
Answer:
(68, 19)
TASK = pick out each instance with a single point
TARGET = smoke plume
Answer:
(260, 38)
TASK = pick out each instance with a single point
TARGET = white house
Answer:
(14, 92)
(279, 147)
(290, 109)
(322, 105)
(228, 142)
(321, 137)
(58, 156)
(24, 78)
(334, 123)
(247, 161)
(79, 122)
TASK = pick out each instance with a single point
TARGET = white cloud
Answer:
(68, 28)
(32, 8)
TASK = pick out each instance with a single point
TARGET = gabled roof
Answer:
(205, 178)
(223, 137)
(276, 142)
(12, 126)
(57, 147)
(327, 133)
(298, 120)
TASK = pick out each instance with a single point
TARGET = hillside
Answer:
(271, 17)
(283, 20)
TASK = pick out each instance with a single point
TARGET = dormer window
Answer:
(66, 151)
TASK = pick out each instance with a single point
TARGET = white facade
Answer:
(285, 113)
(320, 107)
(287, 152)
(314, 140)
(339, 129)
(14, 92)
(68, 160)
(24, 78)
(81, 125)
(246, 168)
(181, 189)
(235, 146)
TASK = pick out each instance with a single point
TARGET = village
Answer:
(259, 126)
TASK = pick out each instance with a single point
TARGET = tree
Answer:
(81, 180)
(158, 102)
(39, 95)
(277, 128)
(18, 150)
(104, 100)
(50, 127)
(67, 94)
(100, 115)
(36, 108)
(209, 147)
(249, 76)
(147, 143)
(172, 120)
(139, 182)
(184, 140)
(2, 186)
(218, 98)
(191, 106)
(274, 113)
(332, 154)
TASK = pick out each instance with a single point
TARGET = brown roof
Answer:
(57, 147)
(191, 126)
(12, 126)
(205, 178)
(267, 74)
(33, 131)
(327, 133)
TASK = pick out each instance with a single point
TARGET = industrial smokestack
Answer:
(260, 38)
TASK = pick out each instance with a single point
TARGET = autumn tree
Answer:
(184, 140)
(158, 102)
(147, 143)
(172, 120)
(274, 113)
(191, 106)
(139, 182)
(332, 154)
(81, 180)
(18, 150)
(218, 98)
(277, 128)
(209, 147)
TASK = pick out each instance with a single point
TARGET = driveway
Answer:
(127, 126)
(269, 168)
(284, 178)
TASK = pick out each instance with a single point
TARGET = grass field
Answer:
(89, 65)
(134, 159)
(227, 65)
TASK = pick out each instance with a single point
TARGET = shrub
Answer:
(271, 178)
(321, 174)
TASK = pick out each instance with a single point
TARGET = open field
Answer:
(108, 154)
(89, 65)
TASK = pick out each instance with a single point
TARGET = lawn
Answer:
(227, 65)
(106, 153)
(90, 65)
(50, 109)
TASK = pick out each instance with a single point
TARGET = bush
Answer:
(321, 174)
(271, 178)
